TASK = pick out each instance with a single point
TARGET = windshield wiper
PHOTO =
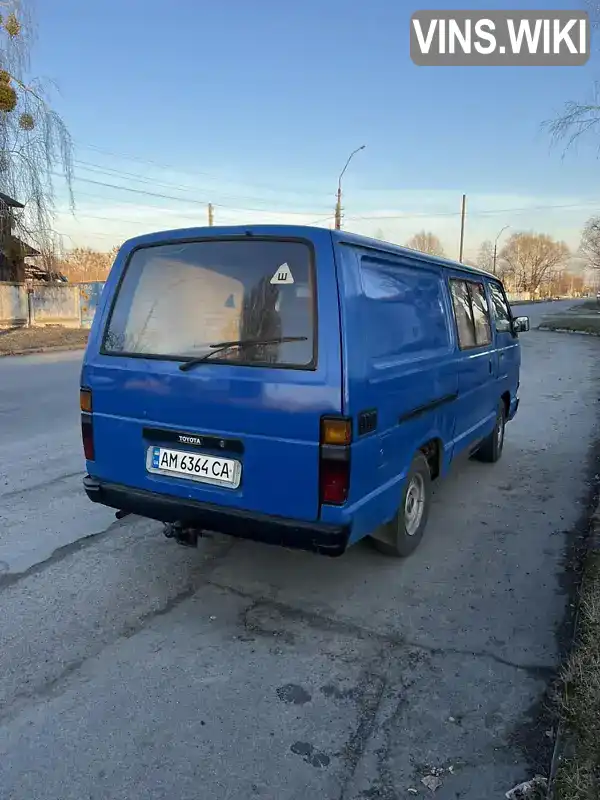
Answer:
(219, 347)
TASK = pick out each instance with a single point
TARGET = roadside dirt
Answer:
(19, 341)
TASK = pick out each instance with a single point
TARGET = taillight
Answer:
(334, 482)
(87, 435)
(87, 423)
(85, 400)
(334, 467)
(336, 431)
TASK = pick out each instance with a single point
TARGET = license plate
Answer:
(194, 466)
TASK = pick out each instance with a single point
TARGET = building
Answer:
(13, 251)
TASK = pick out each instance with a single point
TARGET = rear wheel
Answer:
(401, 537)
(491, 448)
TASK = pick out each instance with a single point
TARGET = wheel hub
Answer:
(414, 505)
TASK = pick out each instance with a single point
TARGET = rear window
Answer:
(175, 300)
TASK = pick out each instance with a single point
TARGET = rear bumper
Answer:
(330, 540)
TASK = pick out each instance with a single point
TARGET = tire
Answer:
(491, 448)
(403, 534)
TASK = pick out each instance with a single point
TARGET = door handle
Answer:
(490, 366)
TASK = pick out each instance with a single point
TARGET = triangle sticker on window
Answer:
(230, 302)
(283, 275)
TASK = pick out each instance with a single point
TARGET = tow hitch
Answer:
(186, 537)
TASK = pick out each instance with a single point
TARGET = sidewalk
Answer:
(23, 341)
(576, 763)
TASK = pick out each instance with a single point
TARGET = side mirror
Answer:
(521, 324)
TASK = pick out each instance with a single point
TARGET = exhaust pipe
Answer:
(186, 537)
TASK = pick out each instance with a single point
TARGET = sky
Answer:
(255, 107)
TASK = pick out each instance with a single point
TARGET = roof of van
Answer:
(299, 231)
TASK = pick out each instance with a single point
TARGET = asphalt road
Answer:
(133, 668)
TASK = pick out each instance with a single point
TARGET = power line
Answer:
(89, 166)
(181, 199)
(127, 201)
(367, 217)
(271, 187)
(188, 173)
(486, 212)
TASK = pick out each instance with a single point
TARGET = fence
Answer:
(70, 304)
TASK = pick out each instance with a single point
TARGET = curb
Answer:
(563, 743)
(35, 350)
(566, 330)
(533, 302)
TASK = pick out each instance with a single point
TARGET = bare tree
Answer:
(590, 242)
(427, 243)
(532, 259)
(485, 256)
(576, 120)
(34, 140)
(579, 118)
(83, 264)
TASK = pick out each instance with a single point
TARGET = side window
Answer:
(402, 311)
(472, 313)
(464, 314)
(500, 309)
(481, 314)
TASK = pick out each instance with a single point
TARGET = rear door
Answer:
(257, 407)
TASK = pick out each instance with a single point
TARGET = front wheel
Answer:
(491, 448)
(402, 536)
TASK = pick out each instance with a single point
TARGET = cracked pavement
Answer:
(134, 668)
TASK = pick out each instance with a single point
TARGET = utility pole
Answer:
(338, 205)
(210, 215)
(338, 209)
(462, 226)
(496, 247)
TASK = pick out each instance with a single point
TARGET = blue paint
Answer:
(387, 339)
(89, 296)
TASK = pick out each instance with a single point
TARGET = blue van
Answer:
(292, 385)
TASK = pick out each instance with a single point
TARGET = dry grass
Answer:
(582, 321)
(578, 772)
(14, 341)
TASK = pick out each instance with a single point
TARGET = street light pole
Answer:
(496, 247)
(338, 205)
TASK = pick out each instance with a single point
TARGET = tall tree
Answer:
(426, 242)
(485, 256)
(590, 242)
(579, 118)
(34, 140)
(532, 259)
